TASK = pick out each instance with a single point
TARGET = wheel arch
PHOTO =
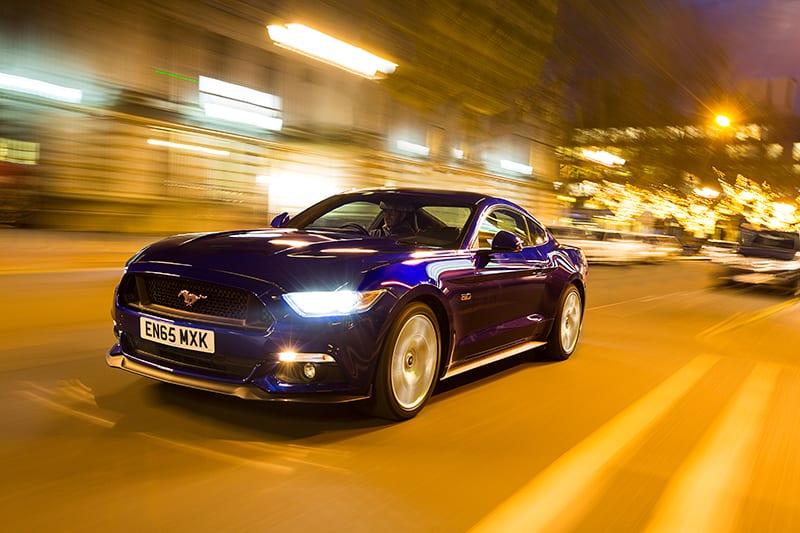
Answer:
(445, 337)
(581, 286)
(436, 302)
(384, 402)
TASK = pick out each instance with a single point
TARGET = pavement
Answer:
(34, 251)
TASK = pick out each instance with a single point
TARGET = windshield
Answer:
(415, 219)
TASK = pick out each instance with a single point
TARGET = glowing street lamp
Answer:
(322, 47)
(603, 157)
(722, 121)
(706, 192)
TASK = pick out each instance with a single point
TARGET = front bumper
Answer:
(246, 360)
(761, 278)
(766, 275)
(116, 358)
(251, 364)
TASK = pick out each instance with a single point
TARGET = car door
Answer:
(499, 299)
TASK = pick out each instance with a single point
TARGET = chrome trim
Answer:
(294, 357)
(189, 299)
(162, 311)
(162, 373)
(245, 391)
(471, 365)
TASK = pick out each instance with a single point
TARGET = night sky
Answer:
(761, 36)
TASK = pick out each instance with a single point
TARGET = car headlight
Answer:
(331, 303)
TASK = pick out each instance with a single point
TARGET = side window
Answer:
(537, 232)
(501, 219)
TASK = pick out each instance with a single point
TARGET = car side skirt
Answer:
(483, 361)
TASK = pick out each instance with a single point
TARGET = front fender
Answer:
(410, 283)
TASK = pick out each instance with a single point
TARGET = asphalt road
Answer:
(678, 412)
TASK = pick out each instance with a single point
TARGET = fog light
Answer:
(309, 370)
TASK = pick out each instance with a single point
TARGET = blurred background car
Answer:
(661, 247)
(604, 246)
(762, 257)
(714, 247)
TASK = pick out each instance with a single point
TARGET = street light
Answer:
(706, 192)
(322, 47)
(603, 157)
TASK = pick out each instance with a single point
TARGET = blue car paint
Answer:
(520, 296)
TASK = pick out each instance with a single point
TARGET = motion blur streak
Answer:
(39, 88)
(554, 500)
(219, 456)
(714, 479)
(739, 320)
(67, 410)
(642, 299)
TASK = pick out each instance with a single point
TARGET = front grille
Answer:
(214, 304)
(217, 300)
(216, 365)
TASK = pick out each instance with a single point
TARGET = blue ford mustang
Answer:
(373, 295)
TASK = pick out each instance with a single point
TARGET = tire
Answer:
(566, 326)
(409, 364)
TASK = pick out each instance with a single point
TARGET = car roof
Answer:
(413, 195)
(466, 196)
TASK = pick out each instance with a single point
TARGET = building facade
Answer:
(140, 151)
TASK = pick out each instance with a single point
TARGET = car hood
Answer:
(292, 259)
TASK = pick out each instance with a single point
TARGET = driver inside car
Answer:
(397, 221)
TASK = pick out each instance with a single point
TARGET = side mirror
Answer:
(505, 241)
(280, 220)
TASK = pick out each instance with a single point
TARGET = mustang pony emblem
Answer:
(189, 298)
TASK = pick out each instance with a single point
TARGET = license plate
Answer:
(199, 340)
